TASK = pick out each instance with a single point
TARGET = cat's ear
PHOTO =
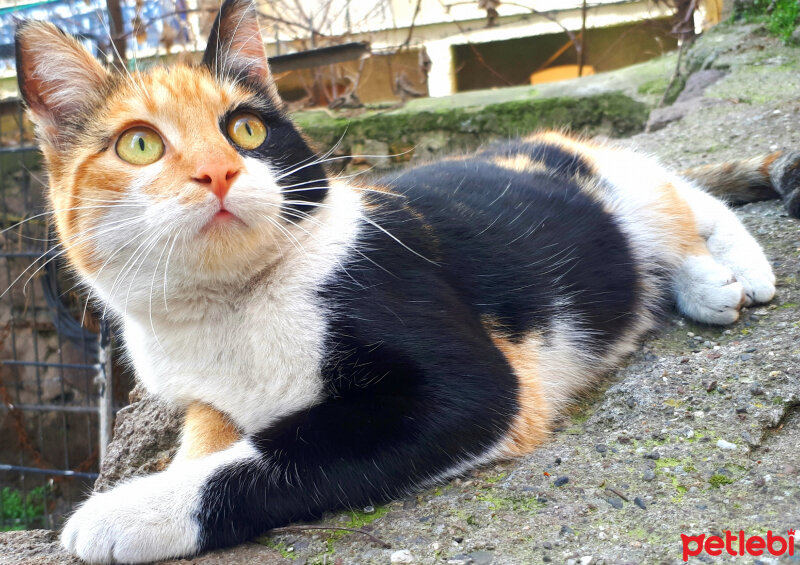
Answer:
(235, 49)
(58, 78)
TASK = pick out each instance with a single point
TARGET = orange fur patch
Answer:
(681, 221)
(768, 160)
(531, 424)
(206, 431)
(520, 163)
(570, 144)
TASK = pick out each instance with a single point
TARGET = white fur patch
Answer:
(148, 518)
(252, 350)
(707, 291)
(731, 244)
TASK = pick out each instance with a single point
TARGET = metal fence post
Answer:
(106, 389)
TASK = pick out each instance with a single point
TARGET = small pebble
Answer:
(587, 560)
(547, 545)
(369, 510)
(745, 356)
(649, 475)
(561, 481)
(566, 531)
(600, 448)
(402, 556)
(655, 456)
(615, 502)
(722, 444)
(756, 390)
(640, 503)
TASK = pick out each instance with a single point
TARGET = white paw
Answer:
(707, 291)
(744, 256)
(758, 282)
(147, 519)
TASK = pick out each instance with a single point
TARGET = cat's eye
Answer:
(246, 130)
(140, 146)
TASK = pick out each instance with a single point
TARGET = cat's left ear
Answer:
(235, 49)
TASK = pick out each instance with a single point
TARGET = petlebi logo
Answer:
(738, 544)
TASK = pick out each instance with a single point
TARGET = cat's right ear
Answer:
(58, 78)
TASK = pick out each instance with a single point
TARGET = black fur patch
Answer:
(415, 385)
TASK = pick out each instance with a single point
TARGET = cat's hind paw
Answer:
(708, 292)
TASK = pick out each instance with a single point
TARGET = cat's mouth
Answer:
(223, 218)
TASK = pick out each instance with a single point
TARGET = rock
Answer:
(640, 503)
(722, 444)
(697, 83)
(655, 455)
(587, 560)
(402, 556)
(42, 547)
(482, 557)
(615, 502)
(146, 435)
(561, 481)
(649, 475)
(690, 99)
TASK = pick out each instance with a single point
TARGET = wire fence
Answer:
(56, 370)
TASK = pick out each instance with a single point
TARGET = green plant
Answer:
(17, 512)
(779, 16)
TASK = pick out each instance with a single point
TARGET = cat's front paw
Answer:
(147, 519)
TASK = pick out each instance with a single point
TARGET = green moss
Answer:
(360, 519)
(469, 126)
(717, 480)
(496, 479)
(278, 546)
(655, 86)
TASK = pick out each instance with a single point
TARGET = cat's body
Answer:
(338, 345)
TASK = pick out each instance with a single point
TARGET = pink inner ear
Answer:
(59, 75)
(246, 49)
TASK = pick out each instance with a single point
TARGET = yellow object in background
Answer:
(559, 72)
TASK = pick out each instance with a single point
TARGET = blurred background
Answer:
(407, 79)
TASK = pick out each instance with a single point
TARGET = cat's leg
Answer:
(148, 518)
(205, 431)
(437, 412)
(723, 266)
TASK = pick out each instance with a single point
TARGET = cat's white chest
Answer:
(257, 361)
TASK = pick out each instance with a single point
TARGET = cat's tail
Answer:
(776, 175)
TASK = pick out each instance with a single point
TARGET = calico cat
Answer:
(338, 345)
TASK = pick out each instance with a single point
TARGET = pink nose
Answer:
(217, 176)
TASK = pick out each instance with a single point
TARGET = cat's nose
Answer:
(218, 177)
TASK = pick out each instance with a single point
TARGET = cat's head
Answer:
(199, 162)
